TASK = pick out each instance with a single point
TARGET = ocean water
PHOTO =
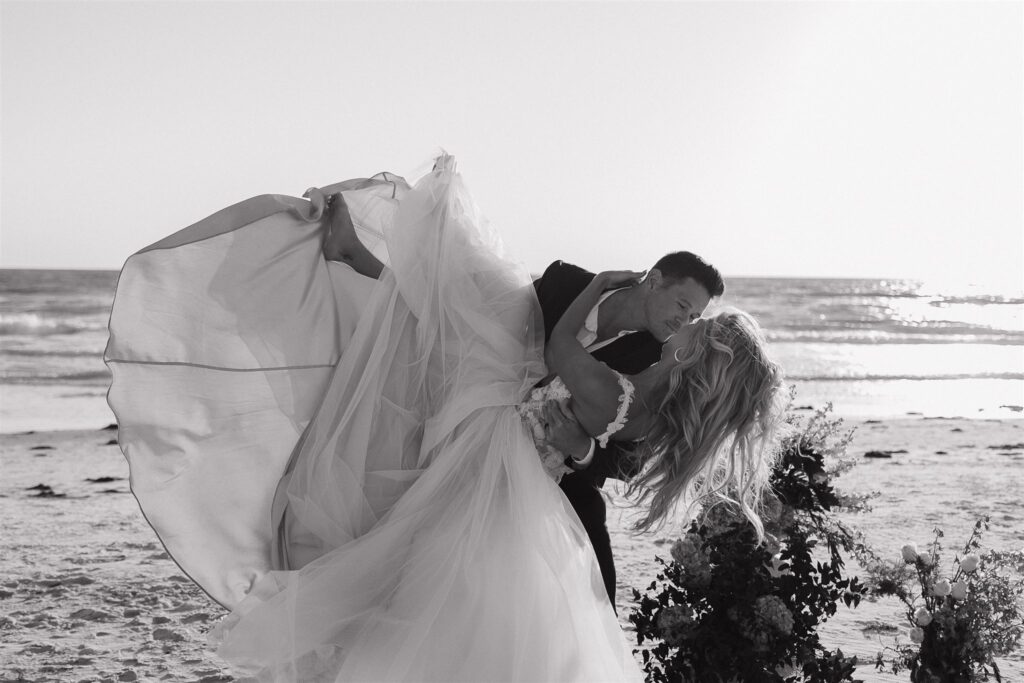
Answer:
(872, 347)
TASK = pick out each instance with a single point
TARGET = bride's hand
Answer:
(342, 244)
(562, 431)
(612, 279)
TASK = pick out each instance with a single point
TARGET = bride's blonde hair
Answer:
(714, 437)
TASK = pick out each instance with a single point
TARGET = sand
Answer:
(87, 593)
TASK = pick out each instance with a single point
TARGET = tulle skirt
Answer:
(340, 461)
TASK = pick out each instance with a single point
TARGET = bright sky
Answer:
(876, 139)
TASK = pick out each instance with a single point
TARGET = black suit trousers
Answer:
(587, 501)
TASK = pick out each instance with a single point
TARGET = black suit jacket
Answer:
(556, 289)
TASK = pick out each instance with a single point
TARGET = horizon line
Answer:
(744, 276)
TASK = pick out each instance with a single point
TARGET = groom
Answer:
(625, 330)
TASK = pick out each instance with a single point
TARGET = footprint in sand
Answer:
(74, 580)
(103, 480)
(41, 620)
(44, 491)
(167, 634)
(89, 614)
(875, 627)
(79, 580)
(186, 607)
(39, 649)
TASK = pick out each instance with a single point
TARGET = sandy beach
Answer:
(88, 593)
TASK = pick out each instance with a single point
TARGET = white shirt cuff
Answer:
(585, 460)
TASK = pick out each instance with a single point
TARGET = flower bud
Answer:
(941, 588)
(959, 590)
(922, 616)
(926, 559)
(970, 563)
(909, 553)
(779, 567)
(917, 634)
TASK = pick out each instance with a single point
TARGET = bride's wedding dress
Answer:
(341, 461)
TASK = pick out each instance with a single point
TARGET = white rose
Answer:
(917, 634)
(959, 590)
(909, 553)
(941, 588)
(926, 559)
(922, 616)
(970, 563)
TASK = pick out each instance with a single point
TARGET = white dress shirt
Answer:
(588, 337)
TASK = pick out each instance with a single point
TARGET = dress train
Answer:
(342, 462)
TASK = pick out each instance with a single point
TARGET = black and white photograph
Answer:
(512, 341)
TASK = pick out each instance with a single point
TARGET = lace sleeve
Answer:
(625, 401)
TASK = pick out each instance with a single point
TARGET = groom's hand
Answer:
(613, 279)
(562, 431)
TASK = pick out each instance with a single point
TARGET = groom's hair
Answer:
(683, 264)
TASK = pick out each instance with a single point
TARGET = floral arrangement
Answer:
(959, 621)
(722, 593)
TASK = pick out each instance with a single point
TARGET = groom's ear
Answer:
(653, 278)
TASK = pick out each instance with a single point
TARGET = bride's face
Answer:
(682, 339)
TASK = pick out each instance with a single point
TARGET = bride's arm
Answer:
(594, 386)
(342, 244)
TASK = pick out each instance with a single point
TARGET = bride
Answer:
(349, 464)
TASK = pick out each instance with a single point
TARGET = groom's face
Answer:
(670, 304)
